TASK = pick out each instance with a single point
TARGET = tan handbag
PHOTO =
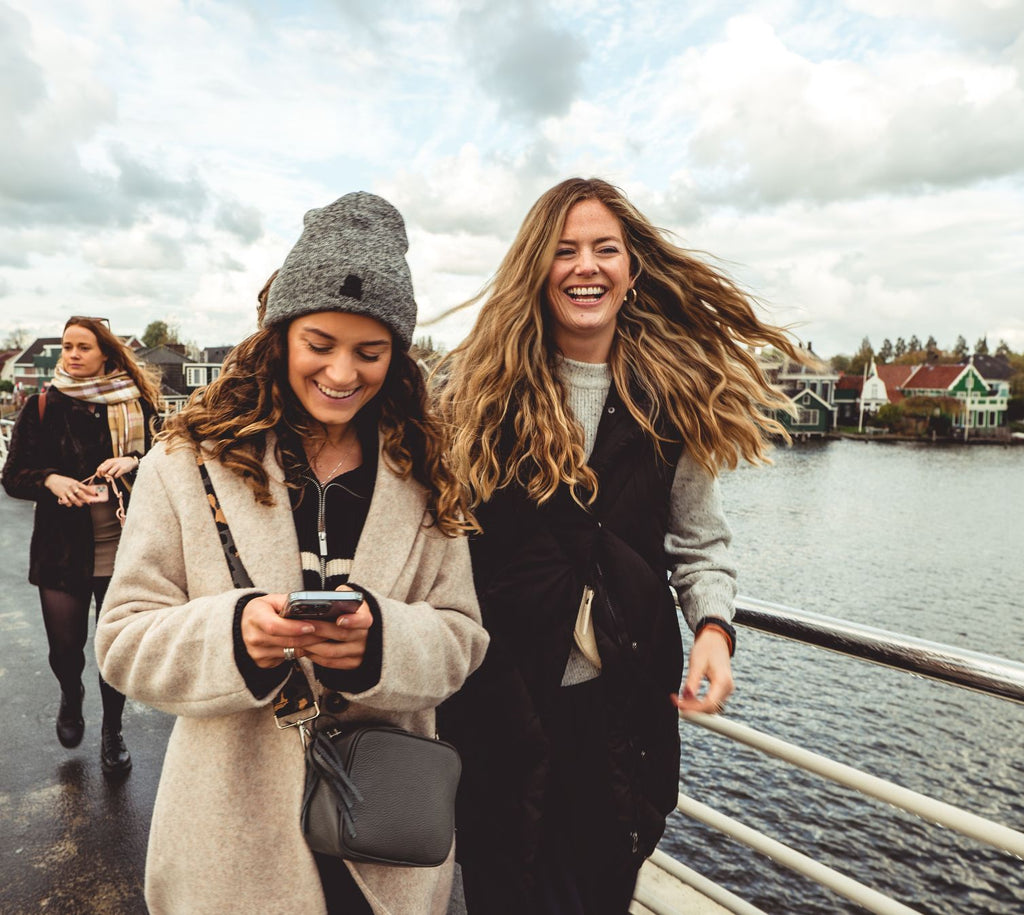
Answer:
(583, 632)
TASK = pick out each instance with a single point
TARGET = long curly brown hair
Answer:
(681, 360)
(233, 415)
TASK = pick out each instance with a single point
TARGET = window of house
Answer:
(807, 417)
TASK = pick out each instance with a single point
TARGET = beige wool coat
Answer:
(225, 833)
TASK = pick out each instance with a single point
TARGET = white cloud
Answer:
(858, 165)
(770, 125)
(531, 66)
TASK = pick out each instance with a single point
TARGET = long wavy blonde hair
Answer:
(252, 397)
(681, 360)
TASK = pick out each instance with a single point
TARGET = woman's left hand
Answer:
(709, 660)
(344, 640)
(117, 467)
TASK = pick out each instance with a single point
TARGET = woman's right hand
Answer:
(69, 491)
(267, 634)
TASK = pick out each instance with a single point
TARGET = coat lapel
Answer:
(393, 522)
(265, 535)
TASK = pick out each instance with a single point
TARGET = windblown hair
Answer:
(119, 357)
(680, 360)
(252, 397)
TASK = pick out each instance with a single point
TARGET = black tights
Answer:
(66, 617)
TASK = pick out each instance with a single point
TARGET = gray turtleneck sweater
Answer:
(697, 542)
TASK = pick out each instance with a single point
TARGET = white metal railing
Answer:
(994, 676)
(972, 670)
(688, 876)
(6, 426)
(928, 808)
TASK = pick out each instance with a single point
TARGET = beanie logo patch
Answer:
(352, 288)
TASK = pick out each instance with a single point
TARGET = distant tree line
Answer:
(912, 352)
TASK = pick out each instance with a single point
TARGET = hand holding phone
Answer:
(321, 605)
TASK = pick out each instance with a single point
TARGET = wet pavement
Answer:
(71, 841)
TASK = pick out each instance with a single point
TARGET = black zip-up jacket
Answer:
(530, 568)
(71, 440)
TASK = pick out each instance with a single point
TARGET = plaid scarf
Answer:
(124, 411)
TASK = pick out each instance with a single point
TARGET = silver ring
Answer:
(289, 654)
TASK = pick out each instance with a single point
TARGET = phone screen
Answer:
(321, 605)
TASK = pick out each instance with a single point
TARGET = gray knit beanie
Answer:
(349, 257)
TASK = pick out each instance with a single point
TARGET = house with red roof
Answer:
(894, 377)
(983, 405)
(983, 402)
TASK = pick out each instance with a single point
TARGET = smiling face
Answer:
(337, 362)
(587, 282)
(81, 355)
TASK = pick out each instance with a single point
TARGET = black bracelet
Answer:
(721, 624)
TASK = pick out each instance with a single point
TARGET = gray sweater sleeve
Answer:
(697, 545)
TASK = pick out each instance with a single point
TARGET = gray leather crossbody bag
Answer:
(374, 792)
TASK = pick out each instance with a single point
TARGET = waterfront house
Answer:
(811, 390)
(814, 417)
(32, 369)
(847, 399)
(983, 405)
(860, 397)
(180, 375)
(982, 401)
(7, 364)
(894, 377)
(207, 368)
(996, 372)
(169, 359)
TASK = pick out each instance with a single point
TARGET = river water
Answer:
(924, 540)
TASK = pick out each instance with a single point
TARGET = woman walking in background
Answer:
(606, 381)
(86, 433)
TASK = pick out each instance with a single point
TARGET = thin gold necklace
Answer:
(337, 467)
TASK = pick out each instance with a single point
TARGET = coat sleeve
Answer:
(697, 545)
(26, 466)
(430, 645)
(154, 642)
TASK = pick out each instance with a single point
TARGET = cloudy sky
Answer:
(857, 165)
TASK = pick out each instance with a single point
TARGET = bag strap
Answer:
(294, 703)
(239, 575)
(42, 405)
(112, 482)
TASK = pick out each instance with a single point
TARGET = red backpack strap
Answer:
(42, 405)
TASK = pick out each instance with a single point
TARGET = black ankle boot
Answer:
(70, 724)
(114, 756)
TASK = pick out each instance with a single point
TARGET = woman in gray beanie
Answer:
(325, 466)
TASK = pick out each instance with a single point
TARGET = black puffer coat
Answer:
(71, 440)
(530, 567)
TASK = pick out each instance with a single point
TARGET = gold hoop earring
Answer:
(630, 301)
